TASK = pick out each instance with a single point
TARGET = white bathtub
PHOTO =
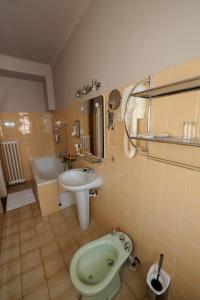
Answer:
(46, 171)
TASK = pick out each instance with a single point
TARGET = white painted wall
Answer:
(21, 95)
(29, 68)
(119, 41)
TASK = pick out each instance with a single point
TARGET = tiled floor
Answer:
(36, 253)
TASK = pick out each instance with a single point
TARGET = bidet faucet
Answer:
(114, 232)
(127, 247)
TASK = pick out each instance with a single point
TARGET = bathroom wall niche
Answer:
(92, 126)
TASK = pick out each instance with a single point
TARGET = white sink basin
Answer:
(80, 181)
(75, 180)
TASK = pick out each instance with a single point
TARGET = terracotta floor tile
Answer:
(25, 216)
(69, 211)
(35, 205)
(33, 279)
(41, 293)
(72, 222)
(56, 219)
(59, 285)
(37, 219)
(84, 238)
(53, 265)
(10, 241)
(49, 250)
(36, 212)
(11, 221)
(9, 271)
(28, 234)
(71, 294)
(12, 290)
(29, 245)
(125, 293)
(9, 254)
(14, 229)
(61, 230)
(27, 225)
(46, 239)
(25, 209)
(98, 233)
(30, 260)
(43, 228)
(66, 240)
(68, 252)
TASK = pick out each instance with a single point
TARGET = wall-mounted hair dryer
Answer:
(133, 108)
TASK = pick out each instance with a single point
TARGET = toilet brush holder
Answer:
(164, 279)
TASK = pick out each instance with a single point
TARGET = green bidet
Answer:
(95, 267)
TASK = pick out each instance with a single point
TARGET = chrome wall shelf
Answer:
(172, 88)
(169, 140)
(182, 86)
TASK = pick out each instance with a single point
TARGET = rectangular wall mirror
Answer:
(92, 126)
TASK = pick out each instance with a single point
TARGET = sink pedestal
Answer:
(80, 181)
(82, 202)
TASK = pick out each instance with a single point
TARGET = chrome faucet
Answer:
(127, 247)
(88, 170)
(114, 232)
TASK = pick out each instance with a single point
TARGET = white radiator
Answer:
(13, 162)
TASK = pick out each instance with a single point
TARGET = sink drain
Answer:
(110, 262)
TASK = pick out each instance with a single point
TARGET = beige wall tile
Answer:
(185, 287)
(192, 210)
(34, 131)
(189, 246)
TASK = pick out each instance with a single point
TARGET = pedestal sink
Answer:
(80, 181)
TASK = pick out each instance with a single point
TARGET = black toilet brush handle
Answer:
(159, 265)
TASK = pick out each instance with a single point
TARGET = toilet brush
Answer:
(155, 282)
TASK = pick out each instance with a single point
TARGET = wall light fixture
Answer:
(88, 88)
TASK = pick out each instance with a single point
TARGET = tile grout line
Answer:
(180, 227)
(43, 266)
(20, 259)
(28, 253)
(160, 199)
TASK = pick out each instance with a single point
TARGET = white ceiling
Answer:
(38, 29)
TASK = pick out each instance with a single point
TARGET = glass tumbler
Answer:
(191, 134)
(188, 131)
